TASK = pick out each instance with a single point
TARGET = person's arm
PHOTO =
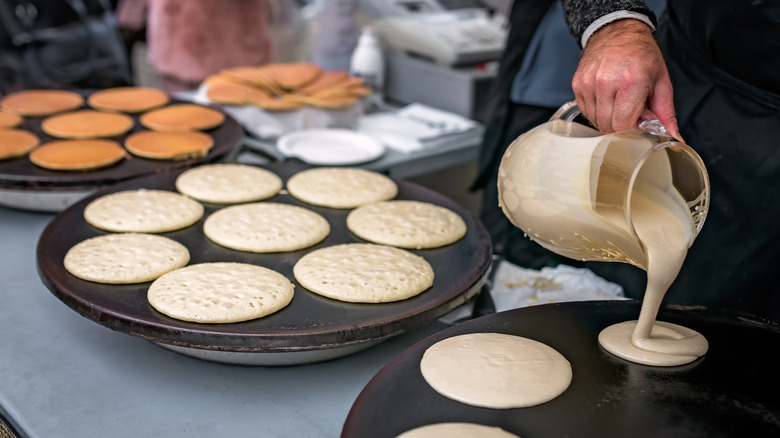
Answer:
(622, 71)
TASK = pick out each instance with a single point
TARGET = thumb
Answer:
(661, 104)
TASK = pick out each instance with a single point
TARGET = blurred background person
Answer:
(188, 40)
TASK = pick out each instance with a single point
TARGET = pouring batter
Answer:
(663, 225)
(567, 188)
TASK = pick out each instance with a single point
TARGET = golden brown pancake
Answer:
(77, 154)
(252, 77)
(41, 102)
(222, 89)
(128, 99)
(169, 145)
(182, 117)
(87, 124)
(291, 76)
(16, 142)
(326, 80)
(331, 102)
(8, 120)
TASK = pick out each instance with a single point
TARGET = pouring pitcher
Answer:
(570, 188)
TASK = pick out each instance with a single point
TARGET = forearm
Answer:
(584, 17)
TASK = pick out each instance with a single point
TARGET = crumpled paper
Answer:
(514, 287)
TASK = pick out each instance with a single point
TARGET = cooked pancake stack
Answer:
(288, 86)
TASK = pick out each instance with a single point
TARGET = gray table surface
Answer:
(62, 375)
(452, 150)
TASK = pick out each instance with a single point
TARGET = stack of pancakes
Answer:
(285, 86)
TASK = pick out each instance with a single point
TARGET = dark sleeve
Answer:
(581, 13)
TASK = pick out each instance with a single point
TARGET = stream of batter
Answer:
(662, 222)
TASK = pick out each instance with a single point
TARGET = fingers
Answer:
(628, 105)
(660, 103)
(621, 72)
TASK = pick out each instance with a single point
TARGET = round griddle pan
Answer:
(732, 391)
(20, 175)
(309, 322)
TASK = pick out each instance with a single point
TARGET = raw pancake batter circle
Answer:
(339, 187)
(77, 154)
(364, 273)
(125, 258)
(128, 99)
(16, 142)
(37, 103)
(87, 124)
(220, 292)
(690, 344)
(228, 183)
(406, 224)
(143, 211)
(495, 370)
(169, 145)
(457, 430)
(266, 227)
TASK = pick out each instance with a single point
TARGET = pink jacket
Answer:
(192, 39)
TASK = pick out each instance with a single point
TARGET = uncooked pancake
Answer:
(406, 224)
(182, 117)
(495, 370)
(339, 187)
(364, 273)
(228, 183)
(41, 102)
(457, 430)
(77, 154)
(87, 124)
(16, 142)
(683, 345)
(169, 145)
(143, 211)
(128, 99)
(125, 258)
(220, 292)
(8, 120)
(266, 227)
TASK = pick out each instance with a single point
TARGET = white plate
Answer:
(330, 147)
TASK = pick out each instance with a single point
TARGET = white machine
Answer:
(445, 32)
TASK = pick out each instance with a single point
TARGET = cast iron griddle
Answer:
(718, 395)
(21, 174)
(309, 322)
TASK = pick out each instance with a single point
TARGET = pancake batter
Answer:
(576, 184)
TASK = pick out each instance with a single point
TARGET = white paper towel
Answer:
(515, 287)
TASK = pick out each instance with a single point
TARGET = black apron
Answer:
(735, 126)
(505, 121)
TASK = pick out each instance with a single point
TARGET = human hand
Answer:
(621, 74)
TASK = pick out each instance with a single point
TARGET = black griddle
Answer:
(21, 174)
(717, 395)
(309, 322)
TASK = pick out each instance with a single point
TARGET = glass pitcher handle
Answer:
(568, 111)
(647, 120)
